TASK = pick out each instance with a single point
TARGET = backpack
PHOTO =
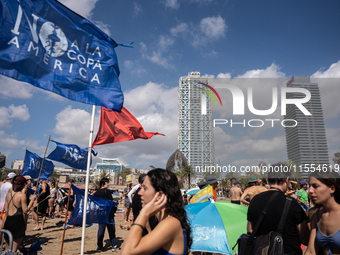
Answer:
(267, 244)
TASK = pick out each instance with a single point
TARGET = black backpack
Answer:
(268, 244)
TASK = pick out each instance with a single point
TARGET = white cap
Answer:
(27, 177)
(10, 176)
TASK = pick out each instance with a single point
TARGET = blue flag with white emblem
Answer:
(98, 209)
(44, 43)
(70, 155)
(32, 166)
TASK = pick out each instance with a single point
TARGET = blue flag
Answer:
(45, 44)
(98, 209)
(32, 166)
(70, 155)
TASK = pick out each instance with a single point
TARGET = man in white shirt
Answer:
(4, 189)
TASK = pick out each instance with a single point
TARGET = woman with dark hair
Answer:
(161, 196)
(325, 225)
(16, 206)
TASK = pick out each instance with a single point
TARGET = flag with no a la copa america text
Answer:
(99, 209)
(45, 44)
(32, 166)
(71, 155)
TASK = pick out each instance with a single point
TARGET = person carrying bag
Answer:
(267, 244)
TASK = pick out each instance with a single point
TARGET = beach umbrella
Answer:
(195, 208)
(217, 226)
(193, 191)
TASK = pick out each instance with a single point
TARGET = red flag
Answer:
(118, 127)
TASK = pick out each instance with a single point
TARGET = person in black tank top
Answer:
(16, 208)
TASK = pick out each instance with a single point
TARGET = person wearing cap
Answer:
(253, 190)
(302, 196)
(4, 190)
(16, 212)
(236, 193)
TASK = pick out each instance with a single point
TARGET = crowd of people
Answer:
(160, 224)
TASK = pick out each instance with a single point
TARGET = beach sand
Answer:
(53, 234)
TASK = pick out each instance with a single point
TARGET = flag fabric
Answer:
(98, 209)
(203, 195)
(30, 190)
(32, 166)
(70, 155)
(118, 127)
(45, 44)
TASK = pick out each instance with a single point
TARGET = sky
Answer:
(220, 39)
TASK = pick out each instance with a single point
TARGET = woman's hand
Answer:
(157, 203)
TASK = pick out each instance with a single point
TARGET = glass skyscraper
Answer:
(306, 142)
(195, 122)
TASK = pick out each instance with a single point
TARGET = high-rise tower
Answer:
(195, 122)
(306, 143)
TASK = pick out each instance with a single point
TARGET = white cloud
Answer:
(213, 27)
(152, 98)
(85, 8)
(10, 88)
(329, 82)
(209, 29)
(200, 1)
(5, 122)
(134, 67)
(82, 7)
(157, 55)
(273, 71)
(224, 75)
(137, 8)
(181, 29)
(73, 126)
(11, 141)
(172, 4)
(104, 27)
(19, 112)
(332, 72)
(13, 112)
(208, 76)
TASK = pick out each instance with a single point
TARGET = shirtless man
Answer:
(236, 193)
(253, 190)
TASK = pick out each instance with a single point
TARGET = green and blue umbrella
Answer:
(216, 226)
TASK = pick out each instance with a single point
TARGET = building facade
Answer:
(195, 122)
(17, 164)
(112, 166)
(306, 142)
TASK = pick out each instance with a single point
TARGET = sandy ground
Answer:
(53, 234)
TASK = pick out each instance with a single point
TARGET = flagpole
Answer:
(87, 182)
(68, 203)
(42, 163)
(23, 162)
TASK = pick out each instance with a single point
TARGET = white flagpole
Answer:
(87, 182)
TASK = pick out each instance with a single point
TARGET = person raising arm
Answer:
(161, 196)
